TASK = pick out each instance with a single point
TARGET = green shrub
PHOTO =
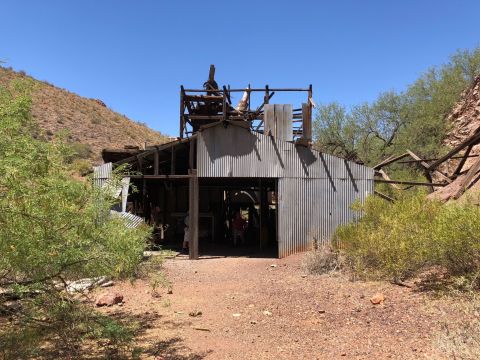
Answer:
(80, 151)
(53, 229)
(81, 166)
(396, 241)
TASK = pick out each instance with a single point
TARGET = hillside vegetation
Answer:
(415, 119)
(91, 125)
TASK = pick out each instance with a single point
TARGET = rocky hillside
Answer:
(465, 121)
(91, 125)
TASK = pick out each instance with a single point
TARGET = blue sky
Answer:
(134, 55)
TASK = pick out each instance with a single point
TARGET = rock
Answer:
(195, 313)
(377, 299)
(253, 322)
(109, 299)
(267, 313)
(170, 291)
(107, 284)
(321, 311)
(273, 265)
(237, 315)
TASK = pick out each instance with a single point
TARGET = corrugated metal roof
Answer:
(130, 220)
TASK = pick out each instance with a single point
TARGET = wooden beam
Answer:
(160, 177)
(458, 170)
(384, 175)
(389, 160)
(173, 160)
(473, 140)
(156, 156)
(182, 111)
(193, 213)
(401, 182)
(383, 196)
(469, 177)
(425, 165)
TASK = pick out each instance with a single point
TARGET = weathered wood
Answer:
(182, 112)
(469, 177)
(173, 160)
(383, 196)
(384, 175)
(156, 157)
(473, 140)
(462, 162)
(160, 177)
(191, 155)
(306, 122)
(425, 165)
(389, 160)
(401, 182)
(193, 213)
(151, 151)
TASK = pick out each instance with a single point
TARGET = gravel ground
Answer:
(252, 308)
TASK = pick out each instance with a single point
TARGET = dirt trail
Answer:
(269, 309)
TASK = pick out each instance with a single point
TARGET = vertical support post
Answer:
(191, 155)
(248, 98)
(173, 160)
(224, 105)
(306, 122)
(193, 213)
(182, 112)
(156, 156)
(266, 98)
(260, 212)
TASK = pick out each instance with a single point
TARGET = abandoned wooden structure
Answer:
(466, 178)
(232, 159)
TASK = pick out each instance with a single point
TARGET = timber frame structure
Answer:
(229, 160)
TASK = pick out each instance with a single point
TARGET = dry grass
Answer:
(86, 120)
(459, 338)
(322, 260)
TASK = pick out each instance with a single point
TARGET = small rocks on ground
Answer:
(267, 313)
(109, 299)
(377, 299)
(195, 313)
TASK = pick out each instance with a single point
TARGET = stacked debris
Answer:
(465, 121)
(450, 175)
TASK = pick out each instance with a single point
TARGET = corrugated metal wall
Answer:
(315, 190)
(101, 174)
(309, 210)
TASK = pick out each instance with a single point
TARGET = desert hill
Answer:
(91, 125)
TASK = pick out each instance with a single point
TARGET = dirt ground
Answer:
(260, 308)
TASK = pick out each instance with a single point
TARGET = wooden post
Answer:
(306, 122)
(156, 156)
(469, 177)
(462, 161)
(191, 156)
(260, 211)
(182, 112)
(193, 213)
(173, 160)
